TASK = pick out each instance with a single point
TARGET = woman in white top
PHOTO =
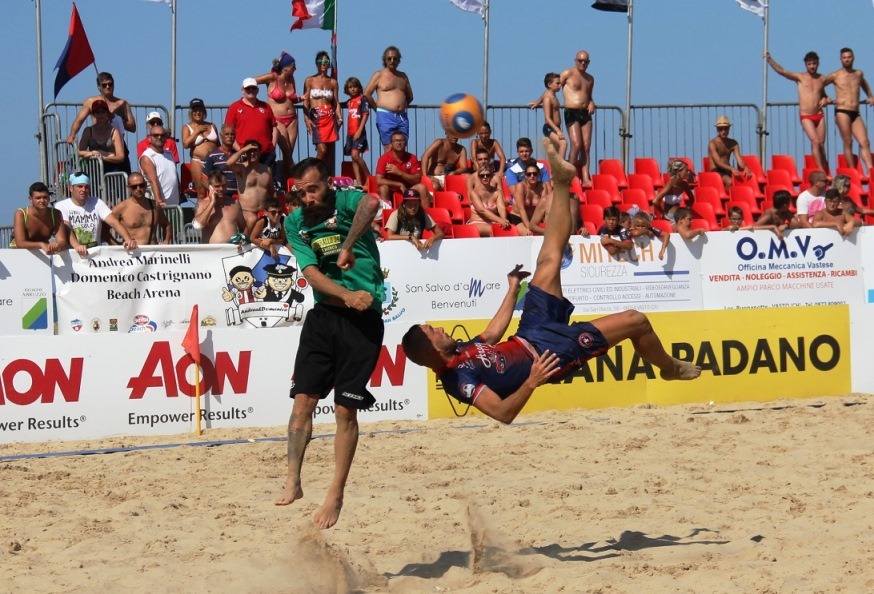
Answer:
(670, 197)
(323, 115)
(200, 138)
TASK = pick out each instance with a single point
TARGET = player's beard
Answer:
(318, 212)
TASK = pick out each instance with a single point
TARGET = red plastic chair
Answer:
(810, 163)
(371, 185)
(545, 163)
(498, 231)
(598, 197)
(745, 208)
(751, 183)
(592, 213)
(615, 168)
(786, 163)
(711, 179)
(386, 214)
(710, 196)
(457, 184)
(639, 181)
(347, 170)
(186, 183)
(662, 225)
(745, 194)
(755, 166)
(637, 198)
(577, 188)
(465, 232)
(842, 162)
(701, 224)
(781, 177)
(450, 201)
(590, 227)
(607, 183)
(649, 166)
(772, 189)
(704, 210)
(705, 164)
(442, 218)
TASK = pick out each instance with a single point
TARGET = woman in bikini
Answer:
(200, 138)
(34, 225)
(496, 153)
(531, 202)
(323, 116)
(670, 197)
(102, 141)
(282, 98)
(487, 202)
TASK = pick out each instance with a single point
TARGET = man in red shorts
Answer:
(498, 378)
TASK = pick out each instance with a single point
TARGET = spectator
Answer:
(410, 220)
(140, 216)
(614, 237)
(778, 218)
(531, 200)
(641, 226)
(397, 171)
(269, 230)
(256, 179)
(253, 119)
(495, 152)
(444, 157)
(121, 114)
(579, 107)
(218, 216)
(683, 224)
(101, 141)
(670, 196)
(356, 132)
(847, 82)
(735, 219)
(158, 168)
(833, 216)
(487, 202)
(841, 183)
(217, 160)
(552, 112)
(811, 99)
(720, 150)
(516, 167)
(84, 216)
(480, 160)
(323, 116)
(394, 95)
(200, 138)
(152, 120)
(282, 98)
(810, 201)
(35, 225)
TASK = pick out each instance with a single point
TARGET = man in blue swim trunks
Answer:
(498, 378)
(394, 95)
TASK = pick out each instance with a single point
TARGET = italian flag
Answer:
(313, 14)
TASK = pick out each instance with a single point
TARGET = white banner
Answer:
(25, 293)
(756, 269)
(154, 289)
(94, 386)
(866, 253)
(596, 282)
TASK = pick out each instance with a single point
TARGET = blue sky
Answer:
(685, 51)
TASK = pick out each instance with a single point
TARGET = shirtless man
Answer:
(140, 216)
(720, 151)
(834, 217)
(577, 86)
(811, 99)
(35, 225)
(218, 216)
(394, 96)
(444, 157)
(121, 114)
(254, 181)
(847, 82)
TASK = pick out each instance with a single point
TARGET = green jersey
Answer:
(320, 244)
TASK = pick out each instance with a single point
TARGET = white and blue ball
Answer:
(462, 115)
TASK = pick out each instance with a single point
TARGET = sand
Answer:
(773, 497)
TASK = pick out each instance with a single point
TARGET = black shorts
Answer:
(338, 349)
(572, 116)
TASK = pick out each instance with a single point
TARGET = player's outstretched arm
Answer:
(489, 403)
(498, 326)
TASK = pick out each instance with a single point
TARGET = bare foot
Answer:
(682, 370)
(329, 513)
(561, 170)
(291, 493)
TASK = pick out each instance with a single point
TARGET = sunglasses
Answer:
(583, 61)
(532, 174)
(158, 135)
(274, 213)
(485, 175)
(136, 186)
(107, 85)
(392, 59)
(323, 62)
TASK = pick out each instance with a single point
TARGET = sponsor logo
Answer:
(586, 340)
(76, 324)
(44, 382)
(113, 324)
(35, 314)
(797, 246)
(142, 324)
(468, 389)
(352, 396)
(95, 325)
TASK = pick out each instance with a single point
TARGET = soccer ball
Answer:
(462, 115)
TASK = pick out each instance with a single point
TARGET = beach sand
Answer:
(771, 497)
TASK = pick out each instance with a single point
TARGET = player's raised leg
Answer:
(300, 432)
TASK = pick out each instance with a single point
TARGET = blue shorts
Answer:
(544, 324)
(389, 122)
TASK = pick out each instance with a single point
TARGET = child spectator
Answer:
(356, 132)
(410, 220)
(34, 225)
(735, 219)
(269, 230)
(485, 141)
(683, 224)
(641, 226)
(778, 218)
(552, 112)
(834, 216)
(614, 237)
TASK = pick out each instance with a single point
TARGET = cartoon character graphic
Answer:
(242, 287)
(280, 287)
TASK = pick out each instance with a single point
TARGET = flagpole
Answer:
(626, 134)
(172, 113)
(40, 134)
(486, 59)
(197, 416)
(763, 131)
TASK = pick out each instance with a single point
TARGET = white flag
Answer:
(476, 6)
(757, 7)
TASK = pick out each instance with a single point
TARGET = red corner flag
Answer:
(191, 342)
(77, 54)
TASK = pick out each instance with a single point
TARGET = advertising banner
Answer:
(25, 293)
(756, 269)
(866, 253)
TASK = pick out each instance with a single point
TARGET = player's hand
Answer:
(358, 300)
(544, 367)
(517, 275)
(345, 259)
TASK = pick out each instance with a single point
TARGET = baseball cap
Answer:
(412, 194)
(249, 82)
(154, 115)
(98, 105)
(196, 103)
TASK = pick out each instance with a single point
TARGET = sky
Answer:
(684, 51)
